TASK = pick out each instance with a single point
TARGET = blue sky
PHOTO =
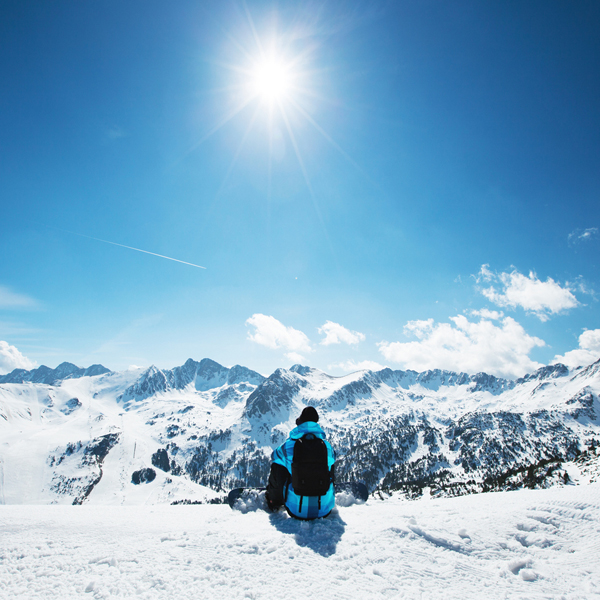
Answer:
(414, 184)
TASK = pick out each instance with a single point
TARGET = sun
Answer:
(271, 80)
(274, 80)
(277, 84)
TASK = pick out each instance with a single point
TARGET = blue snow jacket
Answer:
(284, 455)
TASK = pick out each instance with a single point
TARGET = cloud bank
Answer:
(270, 332)
(587, 353)
(542, 298)
(462, 345)
(11, 358)
(336, 334)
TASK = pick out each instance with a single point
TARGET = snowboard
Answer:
(355, 488)
(243, 493)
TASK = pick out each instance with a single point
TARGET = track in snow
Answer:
(525, 544)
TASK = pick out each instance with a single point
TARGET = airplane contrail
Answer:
(132, 248)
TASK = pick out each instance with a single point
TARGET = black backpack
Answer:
(310, 472)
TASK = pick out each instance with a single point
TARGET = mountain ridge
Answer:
(190, 432)
(44, 374)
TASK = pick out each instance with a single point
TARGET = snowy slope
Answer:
(73, 435)
(525, 544)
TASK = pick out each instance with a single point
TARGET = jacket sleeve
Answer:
(277, 455)
(283, 455)
(330, 455)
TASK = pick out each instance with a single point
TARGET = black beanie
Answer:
(308, 414)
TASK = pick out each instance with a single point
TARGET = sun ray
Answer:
(223, 90)
(231, 166)
(331, 140)
(298, 156)
(301, 57)
(307, 179)
(254, 32)
(228, 66)
(239, 46)
(270, 167)
(237, 153)
(221, 123)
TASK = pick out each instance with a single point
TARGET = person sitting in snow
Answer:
(301, 476)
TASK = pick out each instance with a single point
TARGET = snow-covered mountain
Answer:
(49, 376)
(73, 435)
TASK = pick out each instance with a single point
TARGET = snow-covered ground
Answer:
(526, 544)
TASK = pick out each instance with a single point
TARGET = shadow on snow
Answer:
(321, 535)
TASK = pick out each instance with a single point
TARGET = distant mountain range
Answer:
(74, 435)
(50, 376)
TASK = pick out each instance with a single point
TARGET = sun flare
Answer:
(271, 80)
(278, 86)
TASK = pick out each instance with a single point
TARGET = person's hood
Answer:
(308, 427)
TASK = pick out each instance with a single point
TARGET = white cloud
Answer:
(11, 358)
(294, 357)
(583, 235)
(465, 346)
(10, 299)
(585, 288)
(419, 329)
(587, 353)
(336, 334)
(484, 274)
(274, 334)
(484, 313)
(542, 298)
(351, 366)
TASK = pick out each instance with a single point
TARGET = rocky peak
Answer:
(94, 370)
(239, 374)
(300, 370)
(548, 372)
(483, 382)
(274, 396)
(150, 382)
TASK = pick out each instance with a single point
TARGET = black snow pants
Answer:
(278, 477)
